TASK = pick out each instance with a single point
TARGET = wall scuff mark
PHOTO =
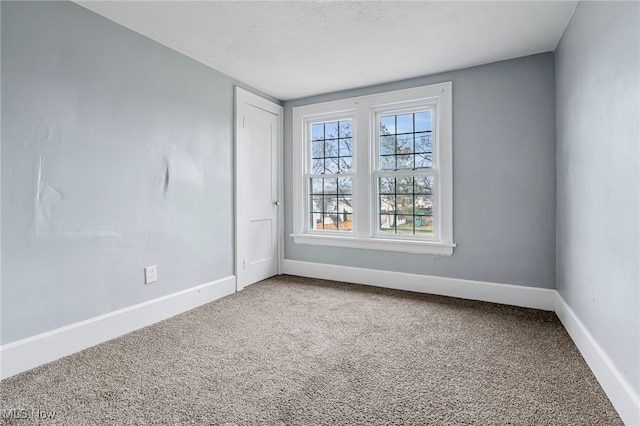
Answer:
(166, 177)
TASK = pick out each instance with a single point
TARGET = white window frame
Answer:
(364, 111)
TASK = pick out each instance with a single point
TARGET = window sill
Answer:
(405, 246)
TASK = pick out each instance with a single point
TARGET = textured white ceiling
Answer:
(296, 49)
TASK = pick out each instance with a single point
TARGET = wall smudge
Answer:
(166, 177)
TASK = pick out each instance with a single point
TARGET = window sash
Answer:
(410, 107)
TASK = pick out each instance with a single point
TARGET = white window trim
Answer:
(363, 109)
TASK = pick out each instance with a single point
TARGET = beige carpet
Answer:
(294, 351)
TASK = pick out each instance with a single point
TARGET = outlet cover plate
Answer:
(150, 274)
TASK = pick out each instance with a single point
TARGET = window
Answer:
(375, 172)
(330, 180)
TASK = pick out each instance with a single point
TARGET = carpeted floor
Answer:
(298, 351)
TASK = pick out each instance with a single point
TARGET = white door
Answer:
(258, 124)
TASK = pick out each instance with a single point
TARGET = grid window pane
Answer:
(331, 147)
(404, 162)
(387, 204)
(387, 162)
(404, 185)
(345, 146)
(424, 142)
(423, 161)
(344, 128)
(317, 131)
(345, 164)
(388, 125)
(405, 144)
(345, 186)
(403, 136)
(317, 166)
(317, 149)
(316, 186)
(404, 123)
(423, 121)
(405, 205)
(331, 130)
(387, 145)
(330, 203)
(387, 185)
(423, 184)
(331, 165)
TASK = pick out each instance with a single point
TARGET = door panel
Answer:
(257, 191)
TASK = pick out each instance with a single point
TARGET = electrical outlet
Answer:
(150, 274)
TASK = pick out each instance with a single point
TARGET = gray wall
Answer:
(504, 178)
(598, 97)
(117, 153)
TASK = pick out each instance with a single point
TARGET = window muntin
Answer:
(330, 180)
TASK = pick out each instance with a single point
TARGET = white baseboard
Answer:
(506, 294)
(33, 351)
(619, 391)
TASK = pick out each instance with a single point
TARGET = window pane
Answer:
(424, 226)
(331, 130)
(423, 205)
(424, 142)
(387, 162)
(317, 149)
(317, 131)
(345, 129)
(405, 162)
(404, 123)
(345, 148)
(345, 186)
(387, 223)
(331, 165)
(345, 164)
(404, 204)
(405, 144)
(345, 216)
(423, 121)
(424, 184)
(387, 185)
(316, 186)
(387, 145)
(404, 225)
(387, 204)
(330, 203)
(388, 125)
(331, 148)
(316, 203)
(317, 166)
(404, 185)
(423, 161)
(330, 185)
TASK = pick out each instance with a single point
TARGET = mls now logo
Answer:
(23, 414)
(15, 413)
